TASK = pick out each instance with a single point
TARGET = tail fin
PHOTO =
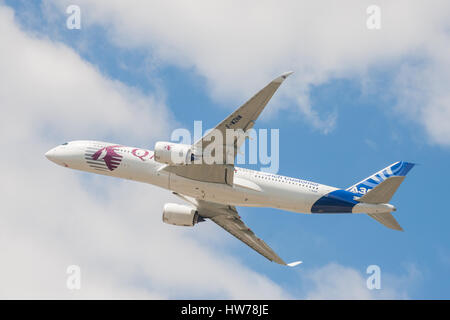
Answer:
(380, 187)
(397, 169)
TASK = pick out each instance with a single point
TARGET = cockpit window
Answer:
(65, 143)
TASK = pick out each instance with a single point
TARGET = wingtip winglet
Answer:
(294, 264)
(283, 76)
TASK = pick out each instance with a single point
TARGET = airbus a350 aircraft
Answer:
(214, 189)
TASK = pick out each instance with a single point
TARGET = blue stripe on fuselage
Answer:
(338, 201)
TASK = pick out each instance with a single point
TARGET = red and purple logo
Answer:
(103, 159)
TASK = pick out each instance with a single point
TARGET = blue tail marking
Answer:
(400, 168)
(343, 201)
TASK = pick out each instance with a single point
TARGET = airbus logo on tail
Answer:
(400, 168)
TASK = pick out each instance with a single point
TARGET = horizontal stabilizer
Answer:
(386, 219)
(383, 192)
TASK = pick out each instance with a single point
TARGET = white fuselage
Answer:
(250, 188)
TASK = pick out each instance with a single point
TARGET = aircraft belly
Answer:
(214, 192)
(187, 187)
(291, 198)
(294, 201)
(284, 197)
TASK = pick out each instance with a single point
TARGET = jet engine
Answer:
(180, 215)
(172, 153)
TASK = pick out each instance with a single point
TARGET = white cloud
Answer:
(336, 282)
(238, 45)
(52, 217)
(42, 81)
(423, 93)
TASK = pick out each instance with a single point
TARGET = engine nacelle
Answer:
(180, 215)
(172, 153)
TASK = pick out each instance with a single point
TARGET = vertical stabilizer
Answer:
(397, 169)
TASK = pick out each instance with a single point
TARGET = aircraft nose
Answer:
(64, 155)
(48, 154)
(51, 155)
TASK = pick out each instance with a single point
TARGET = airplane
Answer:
(213, 189)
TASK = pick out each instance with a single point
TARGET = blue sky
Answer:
(372, 129)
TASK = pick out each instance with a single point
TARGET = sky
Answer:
(359, 100)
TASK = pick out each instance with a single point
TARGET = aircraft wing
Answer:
(228, 218)
(242, 119)
(222, 171)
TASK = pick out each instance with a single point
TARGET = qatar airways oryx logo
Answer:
(103, 158)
